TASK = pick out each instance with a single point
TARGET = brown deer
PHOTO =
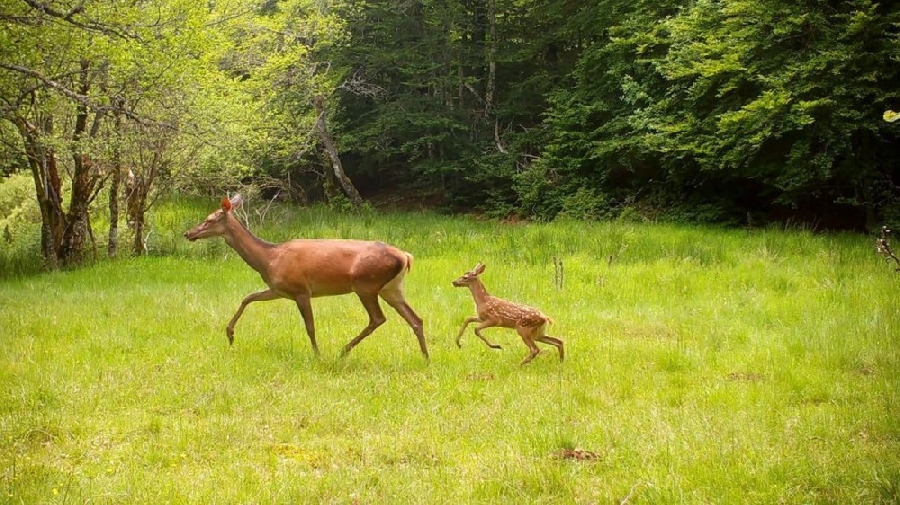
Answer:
(528, 322)
(303, 269)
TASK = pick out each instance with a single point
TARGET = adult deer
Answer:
(528, 322)
(303, 269)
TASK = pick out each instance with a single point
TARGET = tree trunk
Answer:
(329, 187)
(492, 59)
(136, 189)
(78, 224)
(47, 186)
(53, 219)
(337, 168)
(140, 247)
(77, 231)
(112, 245)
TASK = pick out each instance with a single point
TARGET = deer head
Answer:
(214, 224)
(469, 277)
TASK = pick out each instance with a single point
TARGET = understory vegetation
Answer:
(735, 112)
(703, 365)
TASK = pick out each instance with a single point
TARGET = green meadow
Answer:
(703, 365)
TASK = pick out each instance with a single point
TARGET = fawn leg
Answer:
(528, 338)
(305, 307)
(553, 341)
(260, 296)
(376, 319)
(486, 324)
(463, 329)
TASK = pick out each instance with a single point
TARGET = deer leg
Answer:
(305, 306)
(553, 341)
(411, 318)
(534, 351)
(260, 296)
(376, 319)
(528, 338)
(463, 329)
(483, 325)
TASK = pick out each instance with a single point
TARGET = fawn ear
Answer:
(479, 268)
(236, 201)
(226, 204)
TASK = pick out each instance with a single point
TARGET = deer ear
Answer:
(479, 268)
(236, 201)
(226, 204)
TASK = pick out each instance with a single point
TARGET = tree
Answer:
(739, 106)
(67, 74)
(281, 52)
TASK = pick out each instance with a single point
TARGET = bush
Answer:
(20, 225)
(18, 208)
(586, 204)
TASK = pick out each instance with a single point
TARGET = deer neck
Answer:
(478, 292)
(253, 250)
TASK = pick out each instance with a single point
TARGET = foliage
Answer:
(19, 225)
(423, 106)
(16, 198)
(276, 52)
(771, 97)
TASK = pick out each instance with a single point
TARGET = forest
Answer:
(736, 112)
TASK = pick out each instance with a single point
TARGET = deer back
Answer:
(510, 313)
(324, 267)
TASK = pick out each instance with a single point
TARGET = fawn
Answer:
(530, 323)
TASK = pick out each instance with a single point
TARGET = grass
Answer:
(703, 366)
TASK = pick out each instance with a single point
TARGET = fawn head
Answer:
(214, 224)
(470, 276)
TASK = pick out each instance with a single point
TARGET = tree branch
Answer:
(499, 142)
(118, 104)
(69, 17)
(82, 99)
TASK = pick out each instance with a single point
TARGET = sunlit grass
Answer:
(703, 366)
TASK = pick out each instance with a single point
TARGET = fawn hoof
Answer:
(230, 334)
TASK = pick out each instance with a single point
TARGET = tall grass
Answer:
(703, 366)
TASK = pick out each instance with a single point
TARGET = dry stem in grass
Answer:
(883, 246)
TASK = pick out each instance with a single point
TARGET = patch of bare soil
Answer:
(576, 455)
(746, 377)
